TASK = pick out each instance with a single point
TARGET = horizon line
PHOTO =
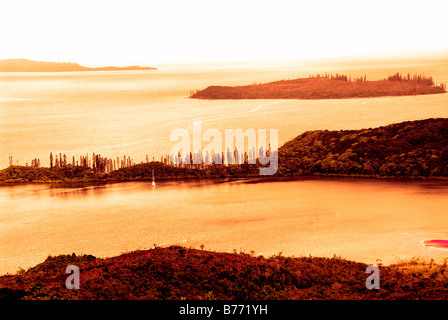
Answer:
(255, 61)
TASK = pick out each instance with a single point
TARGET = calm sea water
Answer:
(359, 219)
(133, 113)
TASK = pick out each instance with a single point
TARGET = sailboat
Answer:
(153, 181)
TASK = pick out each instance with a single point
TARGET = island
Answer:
(25, 65)
(407, 150)
(326, 87)
(181, 273)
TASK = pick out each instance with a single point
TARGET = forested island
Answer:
(406, 150)
(25, 65)
(179, 273)
(326, 87)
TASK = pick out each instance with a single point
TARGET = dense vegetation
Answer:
(412, 149)
(325, 87)
(143, 171)
(69, 173)
(138, 172)
(182, 273)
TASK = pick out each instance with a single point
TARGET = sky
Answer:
(152, 33)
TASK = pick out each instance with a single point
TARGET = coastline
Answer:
(410, 150)
(292, 177)
(332, 98)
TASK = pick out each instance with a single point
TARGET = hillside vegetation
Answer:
(184, 273)
(411, 149)
(138, 172)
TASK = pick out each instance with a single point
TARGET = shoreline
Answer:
(313, 99)
(274, 177)
(409, 150)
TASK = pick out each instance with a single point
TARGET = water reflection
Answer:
(437, 243)
(73, 191)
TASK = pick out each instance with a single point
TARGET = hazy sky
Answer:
(159, 32)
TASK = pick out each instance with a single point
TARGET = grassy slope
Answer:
(317, 88)
(182, 273)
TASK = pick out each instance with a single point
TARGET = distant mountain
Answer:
(25, 65)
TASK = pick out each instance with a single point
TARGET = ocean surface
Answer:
(132, 113)
(360, 219)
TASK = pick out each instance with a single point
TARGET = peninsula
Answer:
(326, 87)
(25, 65)
(407, 150)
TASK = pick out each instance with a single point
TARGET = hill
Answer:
(176, 273)
(24, 65)
(411, 149)
(325, 87)
(406, 150)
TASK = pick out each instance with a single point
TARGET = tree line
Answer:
(412, 149)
